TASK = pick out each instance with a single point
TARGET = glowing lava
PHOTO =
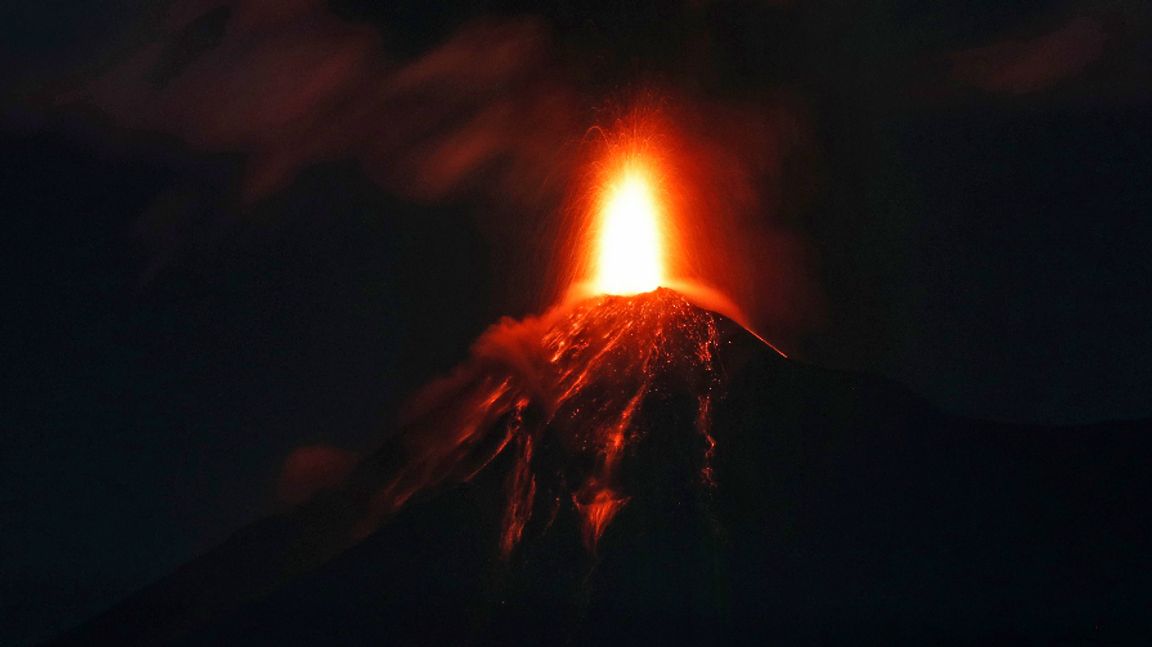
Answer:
(630, 254)
(578, 397)
(578, 380)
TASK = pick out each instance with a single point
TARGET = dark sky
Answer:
(238, 228)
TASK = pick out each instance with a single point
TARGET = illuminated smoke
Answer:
(290, 84)
(492, 115)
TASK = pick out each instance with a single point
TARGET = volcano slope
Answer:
(682, 482)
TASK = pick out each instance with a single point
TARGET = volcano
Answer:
(639, 469)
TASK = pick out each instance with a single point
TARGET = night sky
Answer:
(234, 229)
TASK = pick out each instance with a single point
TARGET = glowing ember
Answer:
(630, 255)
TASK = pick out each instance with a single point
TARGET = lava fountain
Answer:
(563, 394)
(630, 249)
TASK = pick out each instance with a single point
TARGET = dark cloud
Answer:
(290, 84)
(1018, 66)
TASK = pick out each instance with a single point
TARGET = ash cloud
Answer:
(290, 84)
(1020, 66)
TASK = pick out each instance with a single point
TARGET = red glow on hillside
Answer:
(567, 397)
(577, 380)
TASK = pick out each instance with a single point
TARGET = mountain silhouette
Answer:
(838, 508)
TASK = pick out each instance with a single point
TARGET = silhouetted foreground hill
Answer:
(845, 510)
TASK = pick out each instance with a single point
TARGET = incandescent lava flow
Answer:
(565, 393)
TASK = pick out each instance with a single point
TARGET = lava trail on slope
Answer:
(639, 470)
(564, 394)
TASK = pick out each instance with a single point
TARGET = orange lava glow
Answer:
(641, 223)
(625, 209)
(568, 397)
(575, 381)
(602, 505)
(630, 246)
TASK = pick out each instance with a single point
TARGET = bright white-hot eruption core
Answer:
(630, 248)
